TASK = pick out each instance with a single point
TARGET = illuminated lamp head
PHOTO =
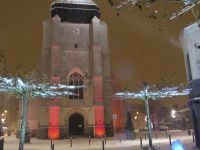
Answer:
(99, 131)
(177, 145)
(53, 133)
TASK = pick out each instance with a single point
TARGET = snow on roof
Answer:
(84, 2)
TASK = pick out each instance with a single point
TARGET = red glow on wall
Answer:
(118, 111)
(98, 89)
(53, 131)
(99, 121)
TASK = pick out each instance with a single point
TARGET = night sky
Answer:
(140, 51)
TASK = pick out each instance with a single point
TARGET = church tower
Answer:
(75, 52)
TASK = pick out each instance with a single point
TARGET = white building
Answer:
(190, 39)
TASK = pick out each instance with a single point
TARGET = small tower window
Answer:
(197, 45)
(77, 80)
(76, 45)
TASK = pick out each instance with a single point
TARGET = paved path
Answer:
(11, 143)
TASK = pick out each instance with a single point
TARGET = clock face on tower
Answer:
(76, 31)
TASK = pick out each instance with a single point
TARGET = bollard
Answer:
(140, 142)
(193, 138)
(70, 141)
(105, 139)
(89, 140)
(145, 136)
(102, 145)
(170, 140)
(52, 147)
(156, 135)
(166, 133)
(189, 132)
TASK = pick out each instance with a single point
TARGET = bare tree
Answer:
(187, 5)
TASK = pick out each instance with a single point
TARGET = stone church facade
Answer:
(75, 52)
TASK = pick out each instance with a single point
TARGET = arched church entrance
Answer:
(76, 124)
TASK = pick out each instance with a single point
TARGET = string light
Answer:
(45, 90)
(154, 93)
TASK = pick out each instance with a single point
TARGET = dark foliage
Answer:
(129, 128)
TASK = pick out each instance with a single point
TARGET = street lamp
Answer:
(135, 117)
(173, 115)
(3, 120)
(145, 118)
(5, 112)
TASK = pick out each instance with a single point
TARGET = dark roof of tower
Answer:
(75, 11)
(83, 2)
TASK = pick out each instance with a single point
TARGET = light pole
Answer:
(5, 112)
(3, 119)
(114, 124)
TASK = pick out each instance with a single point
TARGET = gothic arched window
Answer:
(77, 80)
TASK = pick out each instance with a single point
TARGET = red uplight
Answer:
(54, 131)
(99, 131)
(99, 121)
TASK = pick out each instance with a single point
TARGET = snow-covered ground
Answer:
(162, 143)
